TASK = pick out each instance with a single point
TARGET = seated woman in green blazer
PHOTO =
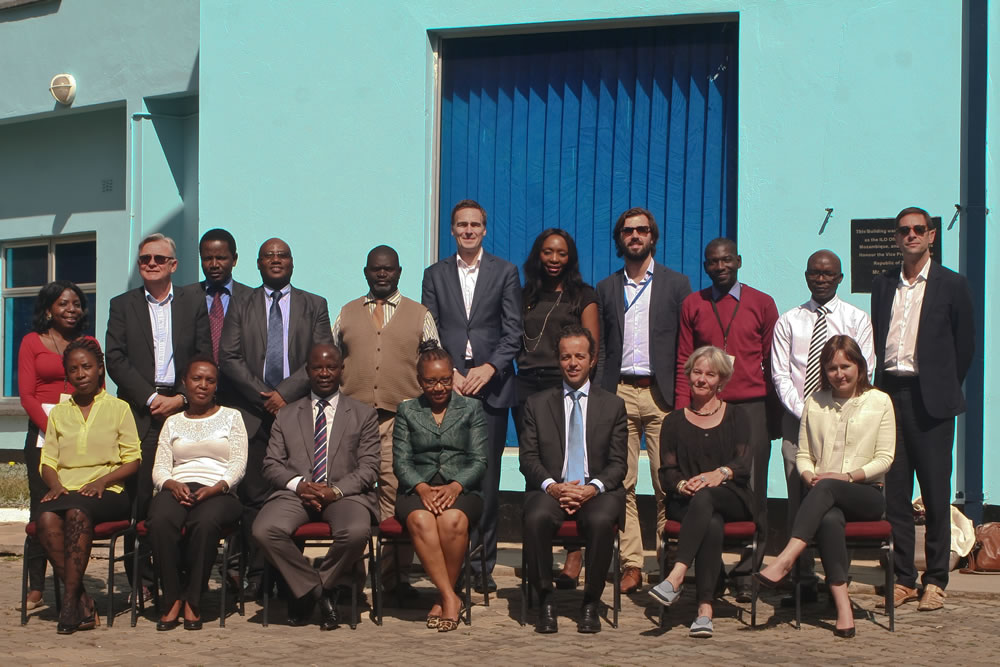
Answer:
(439, 458)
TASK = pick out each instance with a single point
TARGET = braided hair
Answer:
(431, 350)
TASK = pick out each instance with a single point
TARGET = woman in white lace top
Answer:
(200, 458)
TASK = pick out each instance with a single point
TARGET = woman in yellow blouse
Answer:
(847, 441)
(91, 447)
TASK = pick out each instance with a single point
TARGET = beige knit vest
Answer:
(380, 366)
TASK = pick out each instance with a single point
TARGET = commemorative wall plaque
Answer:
(873, 250)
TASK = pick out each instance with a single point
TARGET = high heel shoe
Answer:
(844, 633)
(771, 583)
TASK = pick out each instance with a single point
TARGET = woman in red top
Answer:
(60, 317)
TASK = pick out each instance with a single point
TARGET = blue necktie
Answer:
(575, 442)
(319, 443)
(274, 362)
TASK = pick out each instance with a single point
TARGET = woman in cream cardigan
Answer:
(846, 444)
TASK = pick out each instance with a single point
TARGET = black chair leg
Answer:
(24, 585)
(266, 588)
(615, 560)
(466, 614)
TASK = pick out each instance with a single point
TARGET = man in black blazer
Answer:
(475, 299)
(265, 345)
(573, 458)
(638, 362)
(923, 321)
(153, 331)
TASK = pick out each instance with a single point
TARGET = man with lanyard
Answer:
(740, 320)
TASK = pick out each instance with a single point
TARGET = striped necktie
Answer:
(319, 443)
(815, 348)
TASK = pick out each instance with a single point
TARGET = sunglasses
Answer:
(641, 230)
(904, 230)
(155, 259)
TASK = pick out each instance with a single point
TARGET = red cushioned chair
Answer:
(317, 533)
(568, 534)
(139, 558)
(391, 531)
(736, 536)
(106, 536)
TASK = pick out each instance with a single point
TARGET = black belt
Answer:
(166, 390)
(467, 364)
(891, 381)
(637, 380)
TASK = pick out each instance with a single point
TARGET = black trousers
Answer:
(923, 446)
(194, 554)
(703, 519)
(598, 522)
(34, 554)
(823, 513)
(760, 445)
(496, 427)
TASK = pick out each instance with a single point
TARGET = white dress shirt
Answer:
(793, 336)
(330, 411)
(161, 321)
(635, 335)
(567, 415)
(468, 274)
(901, 342)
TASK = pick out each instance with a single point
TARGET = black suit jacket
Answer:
(128, 346)
(543, 439)
(667, 292)
(945, 336)
(224, 394)
(244, 348)
(493, 325)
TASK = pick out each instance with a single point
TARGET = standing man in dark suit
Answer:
(475, 299)
(153, 331)
(322, 461)
(573, 458)
(923, 321)
(640, 307)
(263, 353)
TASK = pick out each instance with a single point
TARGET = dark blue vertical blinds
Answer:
(570, 129)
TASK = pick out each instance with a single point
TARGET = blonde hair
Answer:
(159, 237)
(716, 358)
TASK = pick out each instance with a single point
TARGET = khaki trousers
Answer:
(646, 410)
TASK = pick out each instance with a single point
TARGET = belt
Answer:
(643, 381)
(892, 381)
(467, 364)
(166, 390)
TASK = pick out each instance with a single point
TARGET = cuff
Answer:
(547, 483)
(598, 484)
(149, 401)
(293, 483)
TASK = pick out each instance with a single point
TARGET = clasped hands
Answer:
(811, 479)
(705, 480)
(272, 401)
(183, 494)
(162, 407)
(315, 496)
(437, 499)
(571, 495)
(472, 383)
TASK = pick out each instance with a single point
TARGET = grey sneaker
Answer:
(665, 593)
(702, 627)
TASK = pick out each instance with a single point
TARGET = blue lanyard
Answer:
(639, 294)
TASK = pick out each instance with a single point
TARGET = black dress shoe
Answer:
(164, 626)
(328, 611)
(845, 633)
(590, 620)
(808, 595)
(300, 610)
(547, 623)
(253, 591)
(485, 583)
(741, 590)
(566, 582)
(192, 624)
(772, 583)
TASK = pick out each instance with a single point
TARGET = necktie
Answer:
(575, 442)
(319, 443)
(216, 315)
(274, 362)
(815, 348)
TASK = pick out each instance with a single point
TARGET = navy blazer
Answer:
(945, 336)
(494, 323)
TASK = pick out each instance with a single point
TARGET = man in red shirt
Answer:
(740, 320)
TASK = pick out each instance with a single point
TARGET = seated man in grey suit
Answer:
(574, 450)
(323, 458)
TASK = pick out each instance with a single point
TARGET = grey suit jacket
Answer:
(244, 347)
(493, 325)
(667, 292)
(353, 450)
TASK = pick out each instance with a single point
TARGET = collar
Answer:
(475, 264)
(166, 299)
(332, 399)
(226, 287)
(734, 291)
(830, 305)
(922, 276)
(285, 291)
(393, 299)
(585, 389)
(649, 274)
(99, 396)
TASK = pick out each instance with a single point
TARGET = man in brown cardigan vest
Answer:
(379, 334)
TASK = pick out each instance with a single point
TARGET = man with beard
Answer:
(640, 306)
(739, 320)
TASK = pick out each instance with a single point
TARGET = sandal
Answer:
(447, 625)
(433, 621)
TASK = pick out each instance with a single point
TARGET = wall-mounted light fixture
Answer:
(63, 88)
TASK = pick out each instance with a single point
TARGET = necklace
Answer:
(706, 414)
(55, 344)
(538, 339)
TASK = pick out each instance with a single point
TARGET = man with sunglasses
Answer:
(153, 331)
(640, 306)
(923, 320)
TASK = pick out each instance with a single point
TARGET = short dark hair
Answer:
(724, 242)
(218, 234)
(915, 210)
(468, 203)
(574, 330)
(48, 295)
(200, 359)
(430, 350)
(616, 233)
(849, 347)
(87, 344)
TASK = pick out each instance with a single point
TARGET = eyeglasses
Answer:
(430, 383)
(281, 254)
(155, 259)
(821, 274)
(904, 230)
(641, 230)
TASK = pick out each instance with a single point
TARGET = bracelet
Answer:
(681, 484)
(727, 474)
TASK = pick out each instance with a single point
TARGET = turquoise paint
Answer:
(991, 429)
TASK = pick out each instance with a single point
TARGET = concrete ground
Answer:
(964, 632)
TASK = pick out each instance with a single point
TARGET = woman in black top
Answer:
(554, 295)
(705, 471)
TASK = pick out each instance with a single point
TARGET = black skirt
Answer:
(110, 506)
(469, 504)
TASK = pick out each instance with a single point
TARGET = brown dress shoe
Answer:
(631, 580)
(933, 598)
(900, 595)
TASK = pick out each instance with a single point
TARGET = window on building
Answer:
(27, 267)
